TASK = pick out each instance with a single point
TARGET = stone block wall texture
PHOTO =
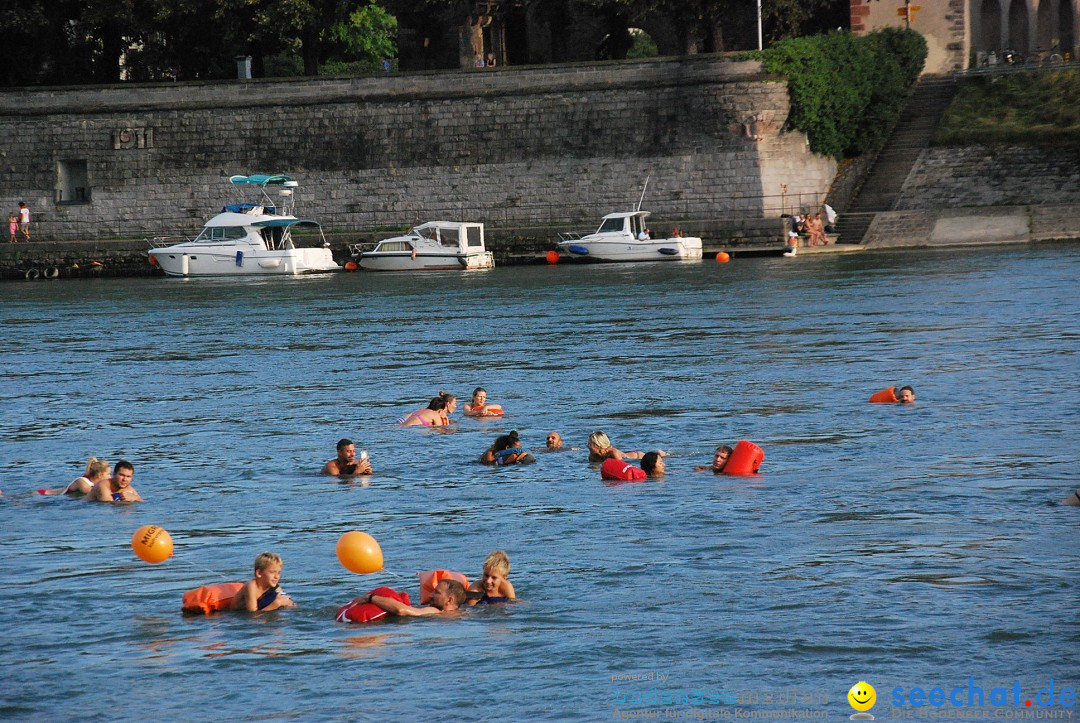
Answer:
(515, 147)
(982, 176)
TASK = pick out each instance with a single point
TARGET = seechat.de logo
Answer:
(862, 697)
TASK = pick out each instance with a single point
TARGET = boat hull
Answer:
(193, 261)
(404, 261)
(681, 248)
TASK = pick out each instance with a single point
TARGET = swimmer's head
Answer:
(653, 464)
(479, 395)
(497, 562)
(448, 595)
(451, 401)
(123, 472)
(554, 440)
(437, 404)
(97, 469)
(599, 442)
(346, 450)
(720, 457)
(906, 395)
(268, 567)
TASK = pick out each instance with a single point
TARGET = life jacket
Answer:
(356, 612)
(620, 470)
(211, 598)
(887, 396)
(430, 579)
(744, 459)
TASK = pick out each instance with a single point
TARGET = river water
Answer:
(907, 546)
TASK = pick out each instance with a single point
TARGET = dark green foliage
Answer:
(847, 90)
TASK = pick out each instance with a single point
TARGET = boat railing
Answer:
(364, 246)
(160, 242)
(571, 235)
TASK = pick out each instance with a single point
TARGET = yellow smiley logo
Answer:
(862, 696)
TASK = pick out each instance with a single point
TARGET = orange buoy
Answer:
(359, 552)
(351, 266)
(152, 544)
(722, 257)
(885, 396)
(746, 458)
(552, 257)
(620, 470)
(153, 262)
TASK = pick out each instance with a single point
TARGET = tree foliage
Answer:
(847, 90)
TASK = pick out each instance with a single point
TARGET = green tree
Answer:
(366, 37)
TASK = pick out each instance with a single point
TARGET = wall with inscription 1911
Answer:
(512, 147)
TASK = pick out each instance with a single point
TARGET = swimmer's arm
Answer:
(98, 494)
(281, 601)
(396, 607)
(133, 496)
(506, 590)
(247, 598)
(331, 467)
(487, 457)
(632, 455)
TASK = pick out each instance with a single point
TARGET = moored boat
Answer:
(624, 236)
(435, 245)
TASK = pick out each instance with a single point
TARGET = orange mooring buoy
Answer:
(722, 257)
(552, 257)
(351, 266)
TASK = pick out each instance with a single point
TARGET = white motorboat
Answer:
(428, 247)
(248, 239)
(624, 237)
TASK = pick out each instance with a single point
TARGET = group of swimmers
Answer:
(100, 483)
(263, 593)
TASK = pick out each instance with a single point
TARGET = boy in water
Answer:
(448, 596)
(263, 592)
(118, 487)
(720, 458)
(493, 587)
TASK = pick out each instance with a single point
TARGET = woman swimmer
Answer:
(436, 414)
(97, 470)
(600, 449)
(478, 406)
(506, 450)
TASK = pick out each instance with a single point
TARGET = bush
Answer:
(846, 91)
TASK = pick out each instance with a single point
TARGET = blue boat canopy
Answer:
(260, 179)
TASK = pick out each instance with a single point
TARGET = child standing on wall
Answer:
(13, 227)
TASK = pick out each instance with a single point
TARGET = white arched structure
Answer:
(1032, 27)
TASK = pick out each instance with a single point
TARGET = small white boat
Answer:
(622, 237)
(428, 247)
(248, 239)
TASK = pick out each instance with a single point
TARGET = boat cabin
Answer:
(627, 222)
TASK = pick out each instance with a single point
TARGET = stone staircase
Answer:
(912, 133)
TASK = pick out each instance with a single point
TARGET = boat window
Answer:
(222, 233)
(394, 246)
(635, 226)
(612, 224)
(473, 235)
(449, 236)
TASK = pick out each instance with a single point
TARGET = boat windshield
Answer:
(222, 233)
(612, 224)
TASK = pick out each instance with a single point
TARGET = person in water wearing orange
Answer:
(346, 463)
(118, 487)
(263, 592)
(448, 596)
(720, 458)
(436, 414)
(493, 587)
(479, 407)
(600, 448)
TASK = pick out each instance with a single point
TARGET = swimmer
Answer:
(436, 414)
(554, 441)
(653, 464)
(906, 395)
(493, 587)
(600, 449)
(478, 406)
(262, 593)
(720, 458)
(97, 470)
(506, 450)
(346, 463)
(118, 487)
(448, 596)
(1073, 500)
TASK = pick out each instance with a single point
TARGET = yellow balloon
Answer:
(152, 543)
(359, 552)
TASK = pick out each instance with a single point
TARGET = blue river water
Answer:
(914, 546)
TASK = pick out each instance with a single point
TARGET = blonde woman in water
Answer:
(97, 470)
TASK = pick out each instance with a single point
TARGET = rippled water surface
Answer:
(905, 546)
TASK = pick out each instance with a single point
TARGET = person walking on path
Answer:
(24, 220)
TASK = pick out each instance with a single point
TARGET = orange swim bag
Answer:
(211, 598)
(887, 396)
(356, 612)
(746, 458)
(620, 470)
(430, 579)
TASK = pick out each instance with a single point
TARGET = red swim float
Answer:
(356, 612)
(885, 396)
(617, 469)
(744, 459)
(430, 579)
(211, 598)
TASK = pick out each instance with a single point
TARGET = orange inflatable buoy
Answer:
(152, 544)
(723, 257)
(430, 579)
(153, 262)
(552, 257)
(363, 612)
(885, 396)
(211, 598)
(624, 471)
(359, 552)
(746, 458)
(351, 266)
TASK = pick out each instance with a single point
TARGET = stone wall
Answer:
(513, 147)
(972, 226)
(982, 176)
